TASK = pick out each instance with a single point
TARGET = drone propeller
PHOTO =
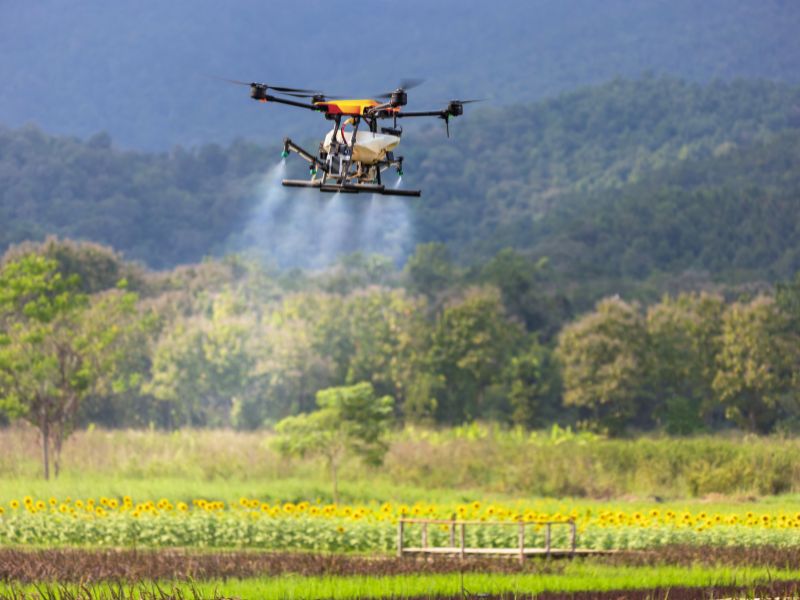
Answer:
(455, 108)
(297, 92)
(462, 102)
(233, 81)
(402, 88)
(410, 83)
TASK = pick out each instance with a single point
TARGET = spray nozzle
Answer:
(285, 154)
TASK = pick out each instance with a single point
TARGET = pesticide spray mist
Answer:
(305, 228)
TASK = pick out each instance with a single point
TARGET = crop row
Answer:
(251, 523)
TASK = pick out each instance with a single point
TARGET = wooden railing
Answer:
(522, 551)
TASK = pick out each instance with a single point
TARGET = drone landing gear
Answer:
(349, 188)
(337, 175)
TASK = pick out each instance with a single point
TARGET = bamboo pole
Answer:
(547, 540)
(400, 538)
(573, 536)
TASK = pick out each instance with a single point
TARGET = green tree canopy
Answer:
(471, 343)
(684, 342)
(349, 420)
(604, 361)
(757, 377)
(57, 345)
(203, 363)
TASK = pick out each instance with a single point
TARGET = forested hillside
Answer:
(139, 69)
(613, 184)
(511, 170)
(732, 215)
(162, 209)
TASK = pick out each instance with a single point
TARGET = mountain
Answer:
(615, 183)
(504, 172)
(139, 69)
(734, 215)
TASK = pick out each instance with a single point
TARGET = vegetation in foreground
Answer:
(75, 565)
(422, 464)
(574, 578)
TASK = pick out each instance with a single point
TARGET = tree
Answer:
(528, 383)
(57, 345)
(756, 373)
(357, 270)
(98, 267)
(374, 334)
(350, 420)
(683, 346)
(430, 269)
(288, 371)
(604, 364)
(422, 393)
(522, 281)
(470, 345)
(386, 328)
(203, 363)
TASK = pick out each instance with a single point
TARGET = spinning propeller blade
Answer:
(233, 81)
(466, 101)
(405, 85)
(298, 92)
(408, 84)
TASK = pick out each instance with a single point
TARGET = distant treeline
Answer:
(229, 343)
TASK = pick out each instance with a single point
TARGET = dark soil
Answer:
(88, 566)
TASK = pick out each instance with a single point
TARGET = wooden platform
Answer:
(510, 552)
(459, 549)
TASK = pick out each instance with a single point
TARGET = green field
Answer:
(488, 467)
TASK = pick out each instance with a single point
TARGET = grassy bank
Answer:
(449, 465)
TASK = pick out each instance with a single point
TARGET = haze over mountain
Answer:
(137, 69)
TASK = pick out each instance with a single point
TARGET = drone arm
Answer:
(288, 145)
(269, 98)
(442, 114)
(428, 113)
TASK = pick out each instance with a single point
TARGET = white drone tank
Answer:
(370, 147)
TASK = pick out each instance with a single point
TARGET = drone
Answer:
(356, 150)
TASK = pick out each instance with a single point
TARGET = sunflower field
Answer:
(251, 523)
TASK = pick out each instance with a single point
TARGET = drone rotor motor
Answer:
(399, 97)
(258, 91)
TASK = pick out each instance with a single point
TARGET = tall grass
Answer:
(435, 465)
(560, 464)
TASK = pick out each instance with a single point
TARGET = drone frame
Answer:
(339, 172)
